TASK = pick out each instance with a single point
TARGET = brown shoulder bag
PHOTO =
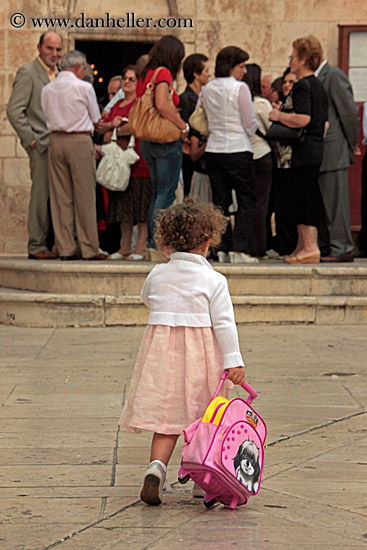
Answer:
(145, 121)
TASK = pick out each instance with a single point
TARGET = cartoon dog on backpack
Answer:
(246, 465)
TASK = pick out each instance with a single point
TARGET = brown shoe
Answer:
(43, 255)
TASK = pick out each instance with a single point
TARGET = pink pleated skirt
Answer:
(176, 373)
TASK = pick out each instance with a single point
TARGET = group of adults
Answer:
(308, 180)
(307, 183)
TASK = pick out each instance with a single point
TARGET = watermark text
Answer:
(128, 21)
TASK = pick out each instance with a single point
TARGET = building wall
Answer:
(265, 28)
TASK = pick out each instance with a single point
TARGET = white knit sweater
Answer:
(188, 292)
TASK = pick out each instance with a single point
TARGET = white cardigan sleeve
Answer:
(144, 293)
(224, 325)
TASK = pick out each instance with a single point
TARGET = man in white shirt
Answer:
(71, 110)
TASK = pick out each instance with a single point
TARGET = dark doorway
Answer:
(109, 58)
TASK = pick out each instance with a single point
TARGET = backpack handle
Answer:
(250, 390)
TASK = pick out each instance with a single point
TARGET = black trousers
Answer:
(236, 171)
(286, 227)
(187, 172)
(362, 237)
(263, 175)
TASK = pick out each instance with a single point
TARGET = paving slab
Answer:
(35, 537)
(29, 511)
(23, 456)
(56, 475)
(80, 492)
(54, 425)
(70, 478)
(65, 440)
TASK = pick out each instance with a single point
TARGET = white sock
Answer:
(161, 464)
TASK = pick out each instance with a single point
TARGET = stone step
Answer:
(270, 278)
(37, 309)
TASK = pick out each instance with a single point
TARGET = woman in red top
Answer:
(163, 159)
(129, 207)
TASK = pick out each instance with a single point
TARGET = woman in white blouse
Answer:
(263, 162)
(231, 119)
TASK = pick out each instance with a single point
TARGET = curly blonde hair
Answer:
(185, 226)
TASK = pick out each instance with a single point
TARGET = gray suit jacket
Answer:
(24, 109)
(341, 139)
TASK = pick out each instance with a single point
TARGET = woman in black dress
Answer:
(310, 104)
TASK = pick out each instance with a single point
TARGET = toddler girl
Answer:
(190, 339)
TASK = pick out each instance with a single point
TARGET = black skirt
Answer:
(306, 199)
(132, 205)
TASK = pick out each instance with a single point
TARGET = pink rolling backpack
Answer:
(224, 450)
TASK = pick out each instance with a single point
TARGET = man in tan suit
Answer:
(26, 116)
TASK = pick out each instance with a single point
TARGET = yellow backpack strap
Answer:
(215, 410)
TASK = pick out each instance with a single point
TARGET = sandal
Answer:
(315, 259)
(118, 256)
(135, 257)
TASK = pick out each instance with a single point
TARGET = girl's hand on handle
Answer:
(236, 375)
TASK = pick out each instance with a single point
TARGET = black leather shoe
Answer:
(347, 258)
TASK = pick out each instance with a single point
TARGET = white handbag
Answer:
(198, 119)
(113, 171)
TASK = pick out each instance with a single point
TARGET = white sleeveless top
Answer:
(231, 118)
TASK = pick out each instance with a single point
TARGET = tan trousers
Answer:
(72, 175)
(38, 221)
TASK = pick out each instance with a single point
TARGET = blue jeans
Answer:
(164, 163)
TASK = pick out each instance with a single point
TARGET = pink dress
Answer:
(176, 374)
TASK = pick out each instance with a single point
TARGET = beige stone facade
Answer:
(265, 28)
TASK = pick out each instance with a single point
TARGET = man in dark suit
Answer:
(362, 238)
(26, 116)
(335, 234)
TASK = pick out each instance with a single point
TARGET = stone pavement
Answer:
(69, 479)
